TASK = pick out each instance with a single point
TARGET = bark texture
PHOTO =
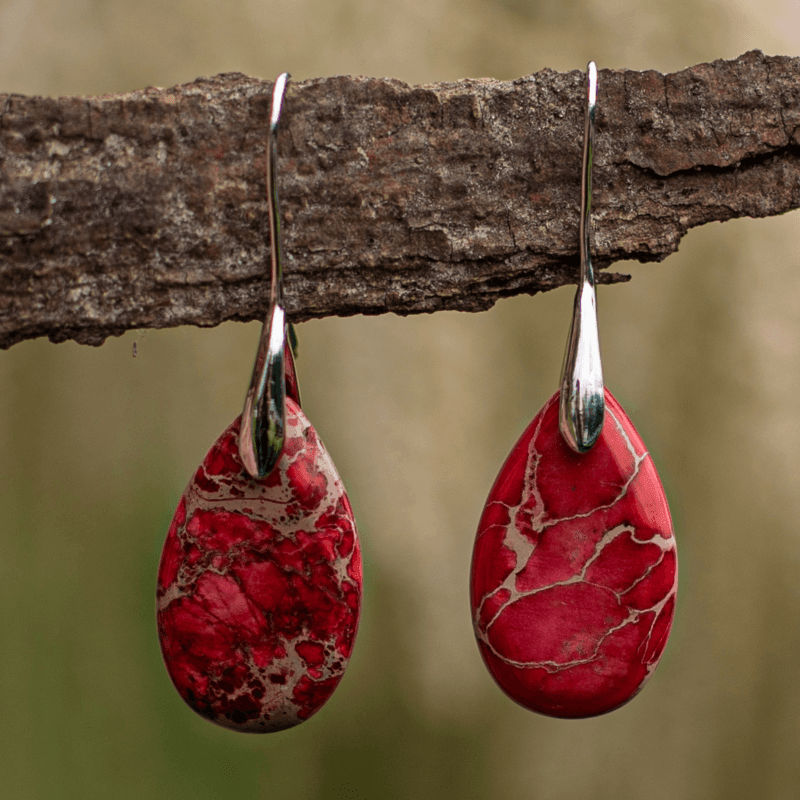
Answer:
(148, 209)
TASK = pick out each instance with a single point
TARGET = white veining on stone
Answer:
(524, 547)
(264, 504)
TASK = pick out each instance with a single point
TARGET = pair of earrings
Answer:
(573, 572)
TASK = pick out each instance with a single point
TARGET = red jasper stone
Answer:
(574, 570)
(259, 586)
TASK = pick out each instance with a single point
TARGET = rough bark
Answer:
(148, 209)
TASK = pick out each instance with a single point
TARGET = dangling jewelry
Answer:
(574, 569)
(259, 585)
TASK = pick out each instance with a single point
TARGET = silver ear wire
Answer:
(582, 401)
(263, 421)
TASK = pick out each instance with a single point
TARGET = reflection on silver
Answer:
(582, 402)
(263, 422)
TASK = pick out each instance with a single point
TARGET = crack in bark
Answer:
(789, 152)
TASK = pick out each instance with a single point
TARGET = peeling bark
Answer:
(148, 209)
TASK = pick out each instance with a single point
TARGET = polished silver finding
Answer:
(263, 422)
(582, 401)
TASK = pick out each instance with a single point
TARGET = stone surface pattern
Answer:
(574, 570)
(259, 585)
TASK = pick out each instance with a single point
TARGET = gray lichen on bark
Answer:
(148, 209)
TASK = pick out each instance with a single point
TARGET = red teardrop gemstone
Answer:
(574, 570)
(259, 586)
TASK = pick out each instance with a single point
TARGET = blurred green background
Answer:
(96, 447)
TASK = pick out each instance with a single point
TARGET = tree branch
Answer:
(148, 209)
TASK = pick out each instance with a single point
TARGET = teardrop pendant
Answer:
(574, 570)
(259, 585)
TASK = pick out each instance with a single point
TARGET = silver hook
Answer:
(582, 401)
(263, 421)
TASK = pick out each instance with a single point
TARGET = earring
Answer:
(259, 585)
(574, 569)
